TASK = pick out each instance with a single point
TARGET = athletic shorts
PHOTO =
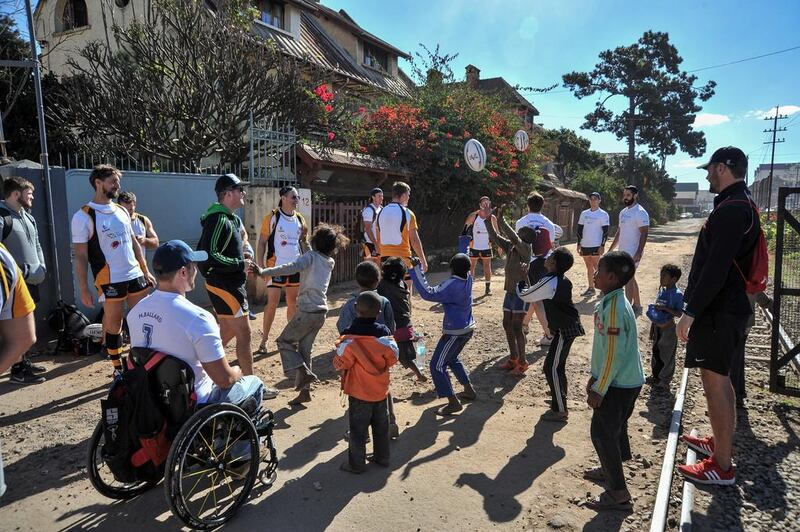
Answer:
(228, 299)
(481, 253)
(282, 281)
(117, 291)
(590, 252)
(409, 265)
(536, 270)
(514, 304)
(713, 340)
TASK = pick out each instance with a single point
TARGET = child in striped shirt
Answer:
(616, 379)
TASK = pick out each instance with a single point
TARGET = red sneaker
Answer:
(704, 446)
(509, 364)
(708, 472)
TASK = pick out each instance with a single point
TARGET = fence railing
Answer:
(344, 214)
(129, 163)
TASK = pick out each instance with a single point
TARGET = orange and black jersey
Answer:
(15, 300)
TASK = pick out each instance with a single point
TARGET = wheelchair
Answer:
(213, 462)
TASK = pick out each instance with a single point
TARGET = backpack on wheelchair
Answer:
(152, 428)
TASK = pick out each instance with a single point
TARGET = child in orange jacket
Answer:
(364, 354)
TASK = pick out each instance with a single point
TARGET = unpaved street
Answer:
(494, 465)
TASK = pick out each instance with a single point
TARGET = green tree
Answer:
(661, 98)
(656, 187)
(180, 82)
(570, 152)
(599, 179)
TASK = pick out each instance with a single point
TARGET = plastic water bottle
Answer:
(419, 347)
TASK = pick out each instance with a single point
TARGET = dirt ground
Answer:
(494, 465)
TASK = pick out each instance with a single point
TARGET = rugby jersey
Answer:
(395, 242)
(107, 231)
(283, 237)
(15, 300)
(615, 347)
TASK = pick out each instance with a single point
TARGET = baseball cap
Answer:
(173, 255)
(376, 190)
(227, 181)
(730, 156)
(595, 194)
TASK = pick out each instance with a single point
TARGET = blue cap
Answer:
(596, 194)
(173, 255)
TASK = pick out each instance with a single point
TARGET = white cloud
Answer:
(784, 110)
(687, 163)
(710, 119)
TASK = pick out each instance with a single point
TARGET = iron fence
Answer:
(785, 364)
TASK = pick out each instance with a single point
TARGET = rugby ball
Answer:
(475, 155)
(521, 140)
(94, 331)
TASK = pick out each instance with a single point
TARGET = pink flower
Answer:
(449, 135)
(361, 110)
(457, 165)
(328, 108)
(331, 135)
(492, 174)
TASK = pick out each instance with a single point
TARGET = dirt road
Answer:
(494, 465)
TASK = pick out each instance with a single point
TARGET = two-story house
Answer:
(506, 92)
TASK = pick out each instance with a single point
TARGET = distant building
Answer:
(784, 175)
(686, 194)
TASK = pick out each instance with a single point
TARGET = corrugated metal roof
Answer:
(316, 46)
(341, 157)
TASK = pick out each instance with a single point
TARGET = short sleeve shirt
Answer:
(370, 214)
(114, 236)
(396, 242)
(593, 223)
(170, 323)
(631, 220)
(15, 300)
(288, 230)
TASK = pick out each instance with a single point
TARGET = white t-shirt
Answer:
(287, 239)
(114, 234)
(537, 219)
(139, 229)
(170, 323)
(370, 214)
(593, 223)
(631, 219)
(480, 235)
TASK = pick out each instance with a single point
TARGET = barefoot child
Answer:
(564, 325)
(518, 256)
(668, 306)
(615, 381)
(364, 355)
(455, 295)
(297, 339)
(393, 287)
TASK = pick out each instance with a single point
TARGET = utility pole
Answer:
(37, 84)
(774, 132)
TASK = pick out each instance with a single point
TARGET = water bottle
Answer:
(421, 350)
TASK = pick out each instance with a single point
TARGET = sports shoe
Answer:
(251, 315)
(704, 446)
(545, 340)
(26, 376)
(707, 471)
(270, 393)
(488, 289)
(35, 368)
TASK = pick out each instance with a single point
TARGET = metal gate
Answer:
(273, 153)
(785, 363)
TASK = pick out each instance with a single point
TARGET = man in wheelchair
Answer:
(168, 322)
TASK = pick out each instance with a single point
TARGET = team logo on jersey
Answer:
(284, 243)
(115, 244)
(106, 225)
(111, 291)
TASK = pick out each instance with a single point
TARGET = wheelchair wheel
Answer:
(100, 475)
(212, 465)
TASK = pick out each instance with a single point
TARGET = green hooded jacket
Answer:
(222, 240)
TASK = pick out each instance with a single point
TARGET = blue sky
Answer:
(534, 42)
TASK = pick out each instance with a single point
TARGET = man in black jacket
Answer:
(717, 308)
(226, 269)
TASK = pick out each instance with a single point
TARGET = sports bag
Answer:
(143, 412)
(69, 324)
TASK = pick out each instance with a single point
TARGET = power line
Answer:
(746, 59)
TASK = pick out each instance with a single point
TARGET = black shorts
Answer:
(119, 291)
(589, 252)
(713, 340)
(536, 270)
(228, 299)
(370, 249)
(481, 253)
(407, 352)
(282, 281)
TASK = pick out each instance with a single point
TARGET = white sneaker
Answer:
(270, 393)
(545, 340)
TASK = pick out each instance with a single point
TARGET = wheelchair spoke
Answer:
(229, 484)
(203, 506)
(191, 491)
(198, 472)
(210, 447)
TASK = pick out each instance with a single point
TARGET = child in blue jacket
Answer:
(455, 295)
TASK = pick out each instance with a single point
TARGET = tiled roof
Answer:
(317, 47)
(501, 86)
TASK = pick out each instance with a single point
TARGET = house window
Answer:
(74, 15)
(272, 13)
(376, 58)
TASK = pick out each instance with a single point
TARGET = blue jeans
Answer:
(446, 356)
(247, 386)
